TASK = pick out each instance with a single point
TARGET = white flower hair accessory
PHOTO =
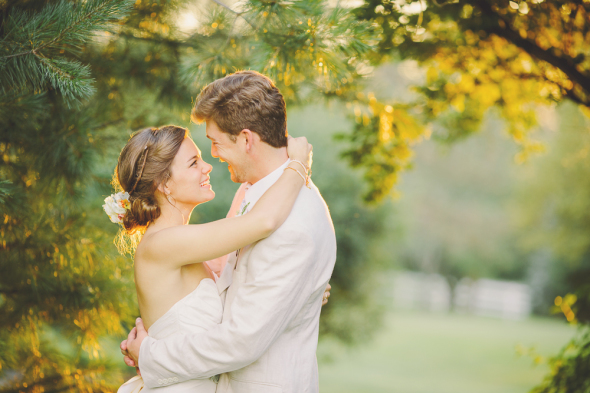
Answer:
(116, 206)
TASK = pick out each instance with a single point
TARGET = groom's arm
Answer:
(260, 312)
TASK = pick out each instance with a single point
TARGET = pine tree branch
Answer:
(48, 63)
(157, 40)
(83, 18)
(226, 7)
(238, 14)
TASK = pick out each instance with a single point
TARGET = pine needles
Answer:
(37, 48)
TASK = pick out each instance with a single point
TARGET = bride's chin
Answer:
(205, 198)
(210, 196)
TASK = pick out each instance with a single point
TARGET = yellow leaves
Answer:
(458, 102)
(564, 305)
(431, 75)
(511, 90)
(402, 152)
(521, 350)
(585, 111)
(581, 18)
(528, 148)
(388, 151)
(471, 38)
(385, 126)
(466, 84)
(487, 94)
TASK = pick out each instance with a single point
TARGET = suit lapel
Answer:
(225, 279)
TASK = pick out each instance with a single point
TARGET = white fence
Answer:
(492, 298)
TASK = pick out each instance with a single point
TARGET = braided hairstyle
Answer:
(144, 164)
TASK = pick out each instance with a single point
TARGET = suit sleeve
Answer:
(262, 309)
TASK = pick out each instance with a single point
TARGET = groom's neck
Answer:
(266, 162)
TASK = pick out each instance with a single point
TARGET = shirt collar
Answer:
(255, 191)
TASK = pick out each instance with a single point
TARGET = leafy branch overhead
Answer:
(516, 56)
(305, 47)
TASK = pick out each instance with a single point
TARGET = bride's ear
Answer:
(163, 188)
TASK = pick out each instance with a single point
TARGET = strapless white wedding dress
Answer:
(199, 311)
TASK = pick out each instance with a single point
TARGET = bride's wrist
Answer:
(295, 170)
(301, 164)
(295, 165)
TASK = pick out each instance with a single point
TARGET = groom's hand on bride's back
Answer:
(130, 347)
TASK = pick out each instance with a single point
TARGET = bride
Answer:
(163, 177)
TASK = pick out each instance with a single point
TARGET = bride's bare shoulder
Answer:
(146, 249)
(159, 243)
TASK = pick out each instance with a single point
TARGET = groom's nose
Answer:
(214, 151)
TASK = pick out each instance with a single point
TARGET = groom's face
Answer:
(225, 149)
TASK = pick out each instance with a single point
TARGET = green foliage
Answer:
(4, 191)
(555, 206)
(304, 46)
(32, 43)
(385, 153)
(57, 283)
(569, 369)
(61, 293)
(554, 216)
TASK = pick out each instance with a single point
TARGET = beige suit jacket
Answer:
(268, 338)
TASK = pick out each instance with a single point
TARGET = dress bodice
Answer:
(198, 311)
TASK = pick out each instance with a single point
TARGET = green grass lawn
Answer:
(436, 353)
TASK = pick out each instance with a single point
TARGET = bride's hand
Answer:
(299, 149)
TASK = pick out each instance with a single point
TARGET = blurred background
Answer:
(451, 144)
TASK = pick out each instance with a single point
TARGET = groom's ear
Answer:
(248, 138)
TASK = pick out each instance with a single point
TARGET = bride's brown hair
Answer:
(144, 164)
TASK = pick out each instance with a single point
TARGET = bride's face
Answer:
(189, 180)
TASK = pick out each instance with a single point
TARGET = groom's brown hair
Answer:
(244, 100)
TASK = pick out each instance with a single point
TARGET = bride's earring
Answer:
(173, 203)
(168, 197)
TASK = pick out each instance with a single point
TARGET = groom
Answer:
(272, 289)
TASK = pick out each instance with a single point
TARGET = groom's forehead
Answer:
(211, 131)
(215, 134)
